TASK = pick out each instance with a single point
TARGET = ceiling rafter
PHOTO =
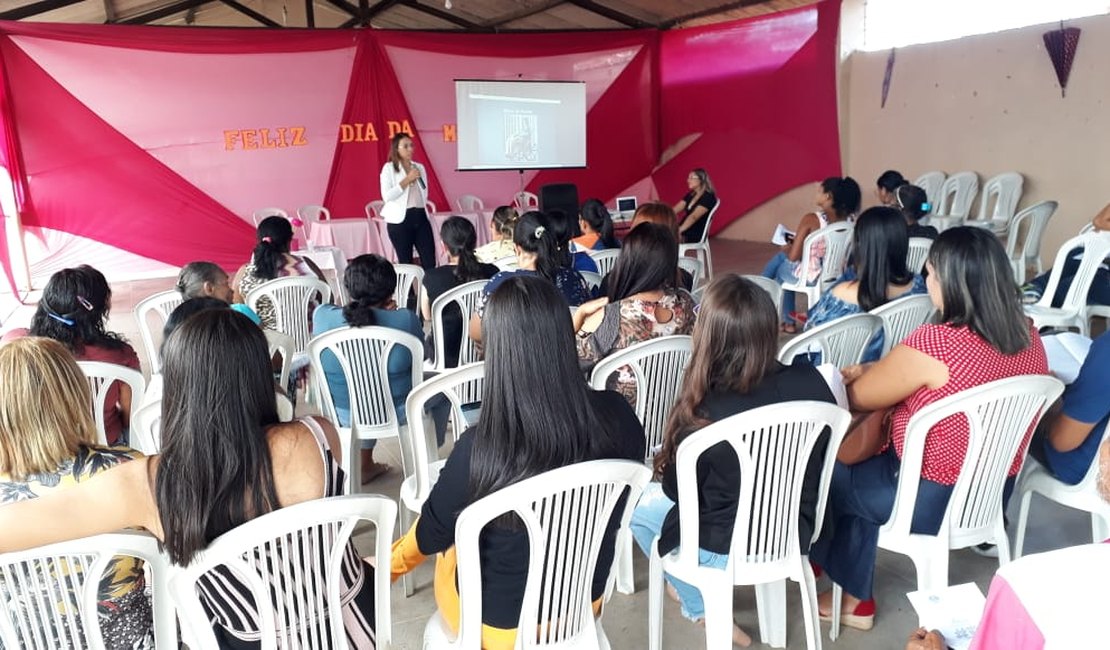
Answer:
(520, 14)
(709, 11)
(610, 13)
(162, 12)
(35, 8)
(441, 14)
(345, 7)
(247, 11)
(380, 7)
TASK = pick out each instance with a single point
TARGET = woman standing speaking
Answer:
(405, 193)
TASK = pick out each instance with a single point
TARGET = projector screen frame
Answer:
(523, 168)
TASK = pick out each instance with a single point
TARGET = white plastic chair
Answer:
(999, 414)
(565, 512)
(842, 342)
(465, 298)
(146, 428)
(162, 305)
(524, 201)
(694, 267)
(774, 445)
(374, 210)
(1005, 190)
(291, 562)
(771, 287)
(50, 593)
(286, 347)
(363, 356)
(957, 194)
(605, 260)
(410, 277)
(262, 213)
(838, 242)
(430, 207)
(1035, 217)
(292, 298)
(510, 263)
(101, 376)
(918, 253)
(1081, 496)
(903, 316)
(310, 213)
(469, 203)
(593, 280)
(659, 366)
(460, 386)
(698, 294)
(701, 248)
(931, 182)
(1073, 312)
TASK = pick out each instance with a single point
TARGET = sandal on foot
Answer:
(860, 618)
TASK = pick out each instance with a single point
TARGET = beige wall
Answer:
(986, 103)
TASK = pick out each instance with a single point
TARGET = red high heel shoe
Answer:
(862, 617)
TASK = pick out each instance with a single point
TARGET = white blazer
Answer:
(396, 198)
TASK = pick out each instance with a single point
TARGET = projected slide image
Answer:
(521, 128)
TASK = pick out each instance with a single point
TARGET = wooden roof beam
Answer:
(610, 13)
(35, 8)
(702, 13)
(442, 15)
(162, 12)
(520, 14)
(247, 11)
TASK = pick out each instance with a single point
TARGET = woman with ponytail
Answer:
(915, 206)
(459, 240)
(370, 280)
(270, 260)
(596, 226)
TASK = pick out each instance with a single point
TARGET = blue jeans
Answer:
(646, 524)
(781, 270)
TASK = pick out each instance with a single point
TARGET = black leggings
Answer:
(416, 231)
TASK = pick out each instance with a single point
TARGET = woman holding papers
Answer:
(405, 192)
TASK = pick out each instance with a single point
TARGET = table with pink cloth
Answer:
(353, 236)
(479, 219)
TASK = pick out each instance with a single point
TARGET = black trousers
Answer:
(416, 231)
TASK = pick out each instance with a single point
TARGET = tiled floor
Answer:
(626, 616)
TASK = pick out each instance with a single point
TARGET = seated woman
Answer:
(642, 303)
(662, 214)
(880, 244)
(837, 200)
(462, 266)
(915, 206)
(1099, 293)
(225, 460)
(270, 260)
(501, 236)
(885, 186)
(695, 206)
(732, 369)
(983, 336)
(48, 446)
(207, 280)
(74, 310)
(562, 226)
(538, 254)
(370, 281)
(596, 226)
(525, 428)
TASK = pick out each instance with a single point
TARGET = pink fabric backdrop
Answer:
(120, 135)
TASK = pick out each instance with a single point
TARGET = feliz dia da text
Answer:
(283, 137)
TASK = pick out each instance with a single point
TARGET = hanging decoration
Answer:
(1061, 45)
(886, 77)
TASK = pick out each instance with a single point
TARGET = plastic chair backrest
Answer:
(262, 213)
(101, 376)
(565, 512)
(465, 298)
(430, 207)
(931, 182)
(957, 194)
(999, 415)
(708, 223)
(659, 367)
(311, 213)
(918, 253)
(605, 260)
(460, 386)
(410, 277)
(146, 428)
(842, 342)
(1005, 189)
(162, 303)
(525, 201)
(772, 287)
(1096, 248)
(50, 594)
(291, 561)
(286, 347)
(774, 445)
(469, 203)
(903, 316)
(593, 280)
(374, 209)
(694, 267)
(1037, 216)
(838, 243)
(292, 298)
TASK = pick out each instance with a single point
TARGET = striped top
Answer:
(232, 609)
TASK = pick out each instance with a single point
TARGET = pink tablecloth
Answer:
(353, 236)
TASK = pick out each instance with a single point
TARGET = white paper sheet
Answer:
(954, 611)
(1066, 353)
(781, 234)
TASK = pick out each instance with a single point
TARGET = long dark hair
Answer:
(215, 470)
(534, 234)
(648, 262)
(370, 280)
(881, 242)
(394, 144)
(978, 288)
(182, 312)
(73, 310)
(845, 195)
(274, 235)
(735, 344)
(564, 228)
(596, 214)
(460, 239)
(526, 427)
